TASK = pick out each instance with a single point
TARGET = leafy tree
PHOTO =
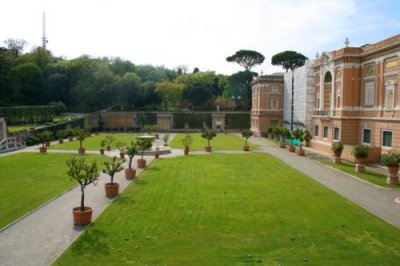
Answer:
(16, 46)
(239, 84)
(150, 97)
(246, 58)
(6, 88)
(288, 60)
(57, 87)
(197, 94)
(169, 92)
(196, 70)
(28, 87)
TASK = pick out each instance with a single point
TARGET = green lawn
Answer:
(93, 142)
(241, 209)
(220, 142)
(31, 179)
(370, 176)
(13, 129)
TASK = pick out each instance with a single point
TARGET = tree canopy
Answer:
(246, 58)
(288, 60)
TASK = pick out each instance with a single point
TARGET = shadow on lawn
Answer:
(96, 241)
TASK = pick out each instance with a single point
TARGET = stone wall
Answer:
(3, 129)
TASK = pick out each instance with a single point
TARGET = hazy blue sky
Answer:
(199, 33)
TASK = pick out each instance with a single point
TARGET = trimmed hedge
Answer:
(20, 115)
(237, 121)
(194, 120)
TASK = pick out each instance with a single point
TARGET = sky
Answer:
(199, 33)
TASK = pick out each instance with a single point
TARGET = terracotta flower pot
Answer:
(82, 150)
(246, 148)
(122, 155)
(71, 138)
(393, 170)
(108, 148)
(141, 163)
(292, 148)
(130, 174)
(208, 149)
(282, 145)
(60, 141)
(43, 149)
(102, 151)
(112, 189)
(82, 217)
(156, 155)
(306, 143)
(337, 153)
(186, 151)
(300, 152)
(47, 143)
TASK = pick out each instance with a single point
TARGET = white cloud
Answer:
(196, 33)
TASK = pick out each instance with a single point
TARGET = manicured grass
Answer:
(370, 176)
(31, 179)
(220, 142)
(13, 129)
(93, 142)
(241, 209)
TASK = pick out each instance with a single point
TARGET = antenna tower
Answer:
(44, 39)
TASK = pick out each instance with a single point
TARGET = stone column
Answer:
(3, 132)
(218, 121)
(165, 121)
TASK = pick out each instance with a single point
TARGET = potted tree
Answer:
(81, 134)
(121, 147)
(44, 137)
(269, 131)
(85, 174)
(61, 135)
(208, 135)
(291, 137)
(102, 145)
(142, 146)
(360, 153)
(337, 148)
(131, 151)
(187, 141)
(299, 134)
(275, 132)
(109, 140)
(166, 138)
(111, 168)
(246, 134)
(391, 160)
(283, 133)
(307, 137)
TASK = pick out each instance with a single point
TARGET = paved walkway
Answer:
(377, 200)
(39, 238)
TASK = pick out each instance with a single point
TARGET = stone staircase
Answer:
(11, 144)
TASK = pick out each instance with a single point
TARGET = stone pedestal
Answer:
(3, 132)
(337, 160)
(392, 179)
(218, 121)
(164, 121)
(360, 168)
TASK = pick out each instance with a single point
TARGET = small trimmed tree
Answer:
(131, 151)
(246, 134)
(44, 137)
(187, 141)
(360, 152)
(112, 167)
(81, 134)
(84, 173)
(299, 134)
(208, 135)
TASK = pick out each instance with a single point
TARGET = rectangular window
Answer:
(316, 131)
(369, 93)
(325, 132)
(367, 136)
(387, 139)
(389, 94)
(335, 133)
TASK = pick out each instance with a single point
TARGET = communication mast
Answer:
(44, 39)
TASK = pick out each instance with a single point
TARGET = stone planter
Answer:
(208, 149)
(307, 143)
(82, 150)
(141, 163)
(301, 152)
(82, 217)
(246, 148)
(130, 174)
(43, 149)
(122, 155)
(392, 180)
(337, 160)
(112, 189)
(337, 153)
(393, 170)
